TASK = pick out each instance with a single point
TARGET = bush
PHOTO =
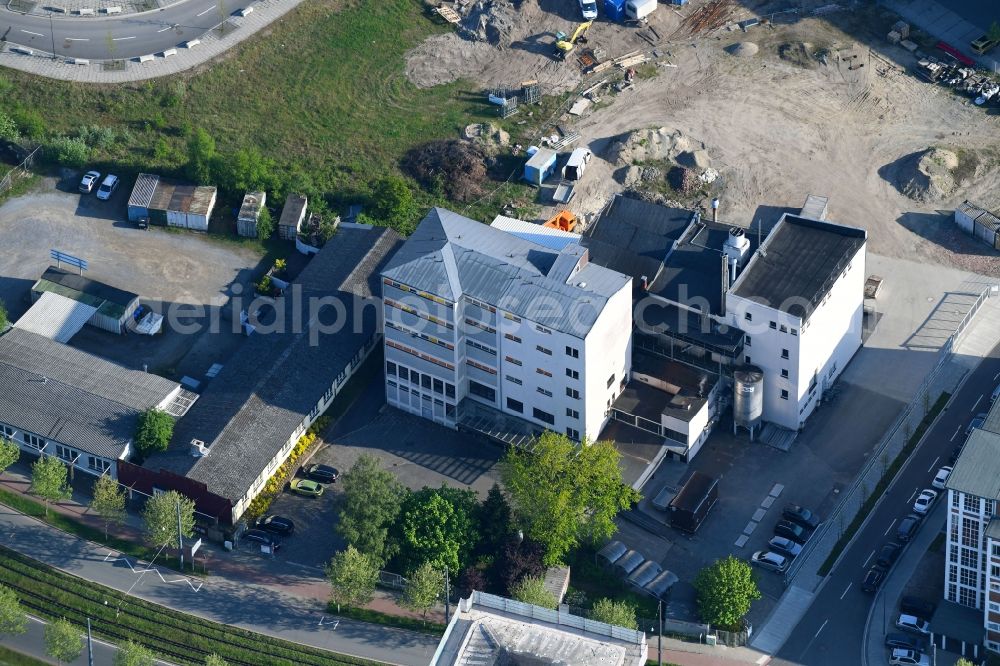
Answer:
(532, 591)
(8, 128)
(260, 504)
(458, 168)
(265, 224)
(68, 152)
(618, 613)
(29, 122)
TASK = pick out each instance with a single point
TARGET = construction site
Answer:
(753, 104)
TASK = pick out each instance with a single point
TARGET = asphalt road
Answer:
(108, 37)
(832, 631)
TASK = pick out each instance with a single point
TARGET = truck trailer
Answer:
(692, 504)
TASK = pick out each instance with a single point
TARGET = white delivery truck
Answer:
(638, 10)
(576, 164)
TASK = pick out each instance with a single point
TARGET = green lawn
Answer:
(322, 92)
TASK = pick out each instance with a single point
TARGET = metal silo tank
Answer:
(748, 397)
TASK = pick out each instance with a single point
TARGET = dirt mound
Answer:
(650, 145)
(928, 175)
(696, 159)
(493, 21)
(797, 53)
(487, 136)
(742, 49)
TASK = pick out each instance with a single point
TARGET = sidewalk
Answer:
(694, 654)
(236, 580)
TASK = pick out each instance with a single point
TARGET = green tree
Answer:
(131, 653)
(494, 521)
(63, 641)
(393, 203)
(265, 224)
(201, 156)
(108, 502)
(9, 453)
(618, 613)
(49, 480)
(4, 319)
(13, 619)
(249, 170)
(215, 660)
(423, 589)
(160, 517)
(353, 576)
(725, 590)
(154, 430)
(372, 499)
(436, 525)
(963, 661)
(564, 493)
(8, 128)
(532, 591)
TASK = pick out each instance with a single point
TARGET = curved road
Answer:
(108, 37)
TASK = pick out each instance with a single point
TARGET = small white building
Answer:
(479, 319)
(800, 300)
(246, 220)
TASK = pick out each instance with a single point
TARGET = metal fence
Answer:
(941, 378)
(21, 170)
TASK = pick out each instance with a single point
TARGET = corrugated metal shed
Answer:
(555, 239)
(252, 203)
(292, 214)
(142, 192)
(979, 222)
(56, 317)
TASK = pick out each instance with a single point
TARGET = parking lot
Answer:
(164, 267)
(419, 453)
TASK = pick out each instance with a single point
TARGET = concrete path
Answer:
(793, 605)
(143, 46)
(255, 607)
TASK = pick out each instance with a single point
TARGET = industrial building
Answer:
(972, 553)
(493, 631)
(246, 219)
(484, 329)
(250, 416)
(64, 402)
(109, 308)
(292, 215)
(170, 204)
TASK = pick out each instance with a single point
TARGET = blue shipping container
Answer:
(614, 10)
(679, 2)
(540, 166)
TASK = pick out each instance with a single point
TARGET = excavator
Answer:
(565, 43)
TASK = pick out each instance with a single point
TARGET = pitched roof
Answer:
(267, 389)
(977, 470)
(798, 263)
(71, 396)
(450, 256)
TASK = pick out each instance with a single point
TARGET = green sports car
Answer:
(305, 487)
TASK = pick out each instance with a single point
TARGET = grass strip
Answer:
(29, 507)
(386, 620)
(10, 657)
(884, 482)
(182, 638)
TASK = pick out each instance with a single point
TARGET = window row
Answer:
(426, 381)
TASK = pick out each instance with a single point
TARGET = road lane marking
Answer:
(996, 376)
(36, 34)
(886, 533)
(165, 29)
(77, 39)
(121, 39)
(978, 400)
(868, 559)
(206, 11)
(934, 464)
(914, 494)
(956, 433)
(845, 591)
(822, 626)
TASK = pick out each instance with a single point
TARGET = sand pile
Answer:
(492, 21)
(650, 145)
(928, 175)
(742, 49)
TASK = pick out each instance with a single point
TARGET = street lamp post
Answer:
(180, 536)
(447, 596)
(52, 34)
(659, 632)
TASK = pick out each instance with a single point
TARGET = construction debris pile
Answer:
(645, 157)
(928, 175)
(456, 167)
(715, 14)
(496, 22)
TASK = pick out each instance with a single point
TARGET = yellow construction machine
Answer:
(566, 43)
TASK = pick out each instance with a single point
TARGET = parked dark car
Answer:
(897, 640)
(276, 525)
(322, 473)
(907, 527)
(262, 537)
(917, 606)
(789, 530)
(887, 556)
(873, 579)
(801, 516)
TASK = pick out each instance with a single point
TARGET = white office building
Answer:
(475, 317)
(799, 299)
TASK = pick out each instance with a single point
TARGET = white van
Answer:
(577, 164)
(589, 9)
(638, 10)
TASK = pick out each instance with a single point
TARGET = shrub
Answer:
(70, 152)
(532, 591)
(456, 167)
(265, 224)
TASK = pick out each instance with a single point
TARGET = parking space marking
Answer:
(36, 34)
(821, 628)
(956, 433)
(331, 623)
(996, 376)
(886, 533)
(934, 464)
(978, 400)
(913, 495)
(868, 559)
(846, 589)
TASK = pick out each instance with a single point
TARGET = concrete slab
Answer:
(776, 490)
(751, 526)
(742, 541)
(768, 501)
(758, 515)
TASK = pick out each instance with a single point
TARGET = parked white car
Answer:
(941, 478)
(107, 188)
(769, 560)
(913, 624)
(924, 501)
(900, 657)
(89, 181)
